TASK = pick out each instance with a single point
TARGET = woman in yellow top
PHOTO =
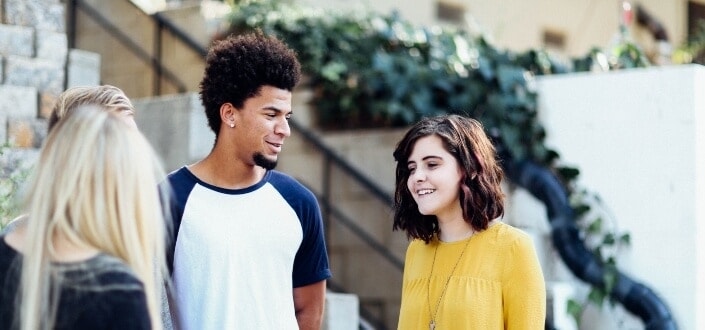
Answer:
(464, 268)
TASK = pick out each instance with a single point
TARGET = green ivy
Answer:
(372, 70)
(12, 176)
(693, 50)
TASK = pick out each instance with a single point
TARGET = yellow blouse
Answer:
(498, 283)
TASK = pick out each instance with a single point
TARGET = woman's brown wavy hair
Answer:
(482, 199)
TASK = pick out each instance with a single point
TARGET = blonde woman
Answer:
(87, 255)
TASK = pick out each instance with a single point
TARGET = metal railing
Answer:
(153, 59)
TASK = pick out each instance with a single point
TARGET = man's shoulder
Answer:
(281, 179)
(288, 186)
(180, 179)
(179, 174)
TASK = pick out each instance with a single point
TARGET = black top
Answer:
(99, 293)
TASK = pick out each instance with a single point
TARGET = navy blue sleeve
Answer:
(178, 186)
(311, 261)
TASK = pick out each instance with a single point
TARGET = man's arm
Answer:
(309, 301)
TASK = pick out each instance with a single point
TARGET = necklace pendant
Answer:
(432, 325)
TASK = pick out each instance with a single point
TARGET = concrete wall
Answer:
(519, 25)
(638, 138)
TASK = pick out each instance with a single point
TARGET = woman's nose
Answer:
(418, 176)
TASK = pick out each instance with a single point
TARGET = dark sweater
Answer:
(99, 293)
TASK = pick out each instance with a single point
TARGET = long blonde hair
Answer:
(95, 186)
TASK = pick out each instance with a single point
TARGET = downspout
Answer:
(635, 297)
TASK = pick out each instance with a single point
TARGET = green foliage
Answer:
(693, 50)
(11, 178)
(597, 225)
(373, 70)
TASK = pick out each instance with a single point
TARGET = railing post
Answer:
(326, 198)
(71, 23)
(158, 57)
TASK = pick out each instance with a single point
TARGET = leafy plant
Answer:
(11, 178)
(693, 50)
(601, 236)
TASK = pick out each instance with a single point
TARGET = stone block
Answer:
(3, 128)
(52, 46)
(47, 100)
(17, 162)
(83, 68)
(18, 101)
(44, 75)
(40, 14)
(26, 132)
(16, 40)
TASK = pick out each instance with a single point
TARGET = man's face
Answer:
(262, 125)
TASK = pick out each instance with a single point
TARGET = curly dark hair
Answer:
(482, 199)
(238, 66)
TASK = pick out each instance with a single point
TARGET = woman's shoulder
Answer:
(505, 233)
(101, 273)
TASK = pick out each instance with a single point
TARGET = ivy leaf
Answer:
(595, 227)
(625, 239)
(597, 296)
(574, 309)
(568, 173)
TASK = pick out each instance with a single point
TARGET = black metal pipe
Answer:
(635, 297)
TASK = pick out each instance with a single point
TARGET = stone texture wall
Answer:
(36, 66)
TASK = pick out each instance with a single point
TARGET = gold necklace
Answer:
(432, 324)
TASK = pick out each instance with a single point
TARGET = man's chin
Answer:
(264, 162)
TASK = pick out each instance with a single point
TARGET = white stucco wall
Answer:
(638, 138)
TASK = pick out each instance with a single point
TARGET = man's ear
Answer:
(227, 114)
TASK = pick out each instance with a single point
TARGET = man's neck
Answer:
(226, 172)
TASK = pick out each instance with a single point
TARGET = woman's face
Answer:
(434, 179)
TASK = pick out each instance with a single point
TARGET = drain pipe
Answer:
(635, 297)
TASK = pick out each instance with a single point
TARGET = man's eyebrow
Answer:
(275, 109)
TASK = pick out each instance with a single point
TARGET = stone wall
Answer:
(37, 66)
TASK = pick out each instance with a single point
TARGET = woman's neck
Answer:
(67, 251)
(455, 230)
(64, 250)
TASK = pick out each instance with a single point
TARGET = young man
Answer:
(249, 250)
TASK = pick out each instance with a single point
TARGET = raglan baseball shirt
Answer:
(239, 253)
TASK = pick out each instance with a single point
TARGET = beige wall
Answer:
(121, 66)
(519, 24)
